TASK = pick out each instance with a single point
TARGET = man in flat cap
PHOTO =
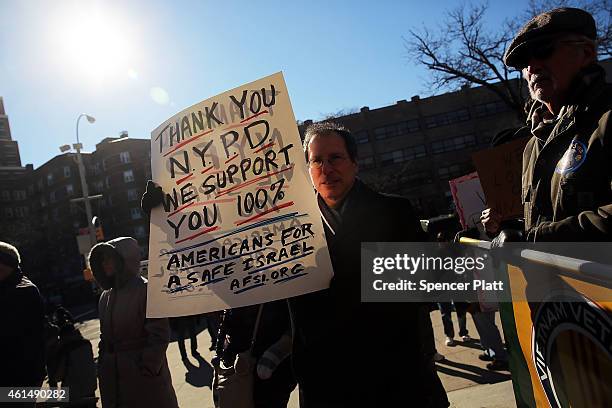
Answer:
(567, 169)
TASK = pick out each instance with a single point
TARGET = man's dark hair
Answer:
(323, 128)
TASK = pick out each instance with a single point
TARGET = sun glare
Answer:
(92, 44)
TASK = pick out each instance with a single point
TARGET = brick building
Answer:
(118, 170)
(14, 203)
(42, 211)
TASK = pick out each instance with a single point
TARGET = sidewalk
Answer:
(466, 380)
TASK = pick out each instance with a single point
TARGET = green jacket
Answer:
(567, 166)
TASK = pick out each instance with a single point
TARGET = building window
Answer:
(69, 189)
(74, 209)
(489, 108)
(393, 157)
(66, 171)
(362, 137)
(107, 181)
(132, 194)
(8, 212)
(419, 179)
(124, 157)
(396, 129)
(55, 214)
(19, 194)
(98, 186)
(414, 152)
(367, 163)
(52, 197)
(128, 176)
(40, 184)
(6, 195)
(135, 213)
(49, 179)
(43, 202)
(21, 212)
(447, 118)
(454, 143)
(450, 172)
(139, 231)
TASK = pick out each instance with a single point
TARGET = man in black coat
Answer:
(22, 358)
(348, 353)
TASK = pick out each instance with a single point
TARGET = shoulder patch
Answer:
(574, 157)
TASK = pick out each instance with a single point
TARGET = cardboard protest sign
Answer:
(500, 173)
(239, 223)
(469, 199)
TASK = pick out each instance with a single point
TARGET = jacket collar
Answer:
(354, 200)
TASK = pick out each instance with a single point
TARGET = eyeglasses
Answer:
(545, 50)
(333, 161)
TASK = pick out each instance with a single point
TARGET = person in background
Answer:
(76, 368)
(51, 335)
(181, 325)
(213, 320)
(132, 365)
(446, 310)
(22, 344)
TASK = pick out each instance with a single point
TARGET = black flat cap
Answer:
(545, 27)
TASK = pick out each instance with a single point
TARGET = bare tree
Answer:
(463, 51)
(337, 114)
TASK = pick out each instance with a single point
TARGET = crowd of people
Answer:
(317, 340)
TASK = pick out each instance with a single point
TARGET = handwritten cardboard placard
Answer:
(469, 199)
(499, 170)
(239, 223)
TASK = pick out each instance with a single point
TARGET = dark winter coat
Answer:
(567, 190)
(132, 366)
(22, 345)
(365, 354)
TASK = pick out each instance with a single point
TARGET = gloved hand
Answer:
(491, 221)
(273, 356)
(468, 233)
(152, 197)
(507, 235)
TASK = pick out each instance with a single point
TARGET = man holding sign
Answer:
(333, 327)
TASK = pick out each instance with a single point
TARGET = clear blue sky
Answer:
(133, 64)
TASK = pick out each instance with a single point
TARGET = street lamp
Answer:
(78, 146)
